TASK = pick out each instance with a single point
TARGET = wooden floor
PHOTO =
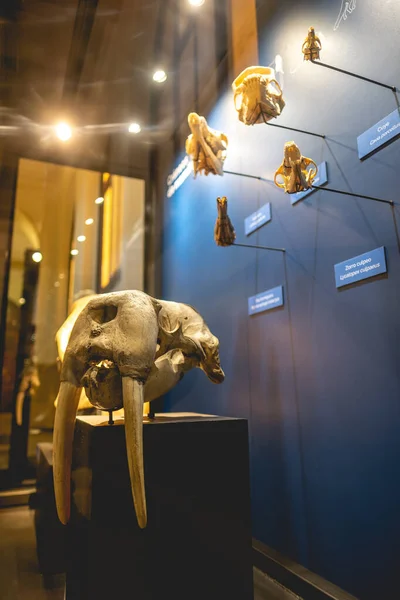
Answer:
(21, 580)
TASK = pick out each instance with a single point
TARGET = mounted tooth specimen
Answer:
(126, 348)
(205, 146)
(297, 171)
(311, 46)
(224, 232)
(257, 95)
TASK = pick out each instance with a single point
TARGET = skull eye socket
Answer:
(104, 314)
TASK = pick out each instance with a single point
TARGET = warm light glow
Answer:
(81, 238)
(21, 301)
(63, 131)
(37, 257)
(57, 284)
(99, 200)
(89, 221)
(74, 252)
(160, 76)
(196, 2)
(134, 128)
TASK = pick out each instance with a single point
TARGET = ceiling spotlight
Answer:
(37, 257)
(134, 128)
(99, 200)
(63, 131)
(74, 252)
(89, 221)
(21, 301)
(160, 76)
(196, 2)
(81, 238)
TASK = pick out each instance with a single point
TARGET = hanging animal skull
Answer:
(224, 232)
(205, 146)
(311, 46)
(257, 95)
(126, 348)
(294, 170)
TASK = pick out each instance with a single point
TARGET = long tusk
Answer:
(132, 394)
(63, 435)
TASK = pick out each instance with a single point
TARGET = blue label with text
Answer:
(266, 300)
(321, 179)
(386, 130)
(257, 219)
(361, 267)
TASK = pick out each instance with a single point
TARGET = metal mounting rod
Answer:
(320, 187)
(246, 175)
(259, 247)
(295, 129)
(385, 85)
(290, 128)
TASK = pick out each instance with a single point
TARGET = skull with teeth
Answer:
(257, 95)
(126, 348)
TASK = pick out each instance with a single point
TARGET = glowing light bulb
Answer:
(160, 76)
(63, 131)
(89, 221)
(37, 257)
(81, 238)
(134, 128)
(74, 252)
(21, 301)
(99, 200)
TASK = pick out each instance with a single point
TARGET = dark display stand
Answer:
(197, 543)
(50, 533)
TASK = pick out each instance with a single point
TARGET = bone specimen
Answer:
(125, 348)
(311, 46)
(205, 146)
(257, 95)
(224, 232)
(63, 335)
(294, 170)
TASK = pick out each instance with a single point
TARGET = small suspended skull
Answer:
(311, 46)
(205, 146)
(294, 170)
(224, 232)
(257, 95)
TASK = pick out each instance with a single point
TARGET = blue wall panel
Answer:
(318, 379)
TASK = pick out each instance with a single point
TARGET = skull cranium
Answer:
(126, 348)
(257, 95)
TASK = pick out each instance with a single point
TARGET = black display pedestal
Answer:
(50, 533)
(197, 544)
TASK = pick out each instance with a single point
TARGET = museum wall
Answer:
(318, 379)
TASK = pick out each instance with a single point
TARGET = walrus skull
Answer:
(126, 348)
